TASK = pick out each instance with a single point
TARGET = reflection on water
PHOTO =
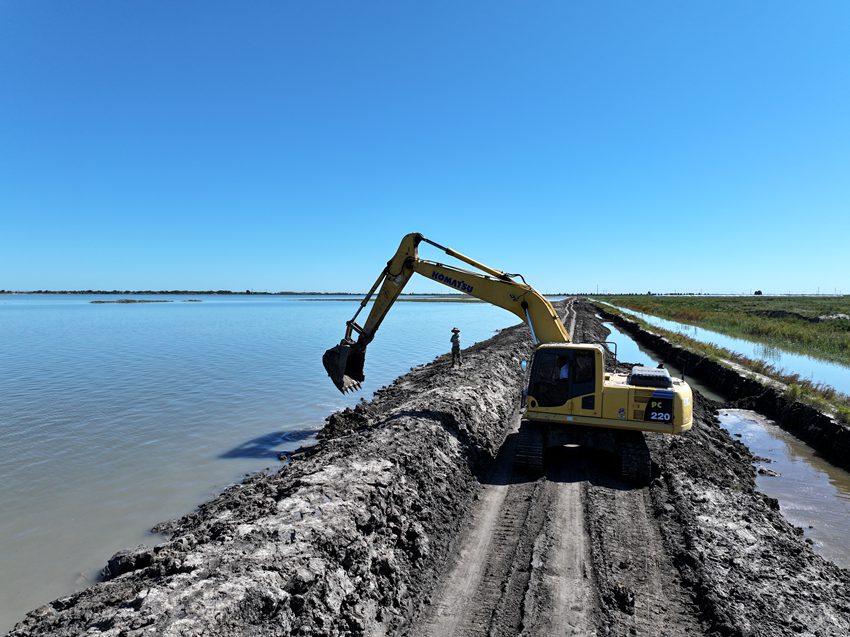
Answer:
(116, 417)
(812, 493)
(768, 353)
(813, 369)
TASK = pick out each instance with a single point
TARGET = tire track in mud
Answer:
(532, 577)
(496, 608)
(471, 598)
(522, 565)
(561, 597)
(637, 580)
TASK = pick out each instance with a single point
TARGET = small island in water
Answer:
(146, 301)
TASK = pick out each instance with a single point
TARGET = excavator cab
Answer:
(560, 373)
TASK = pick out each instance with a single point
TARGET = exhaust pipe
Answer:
(344, 364)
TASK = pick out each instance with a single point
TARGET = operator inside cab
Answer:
(563, 368)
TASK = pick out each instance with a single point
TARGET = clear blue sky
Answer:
(699, 146)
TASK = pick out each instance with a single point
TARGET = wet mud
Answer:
(408, 519)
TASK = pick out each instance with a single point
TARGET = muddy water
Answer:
(813, 369)
(812, 493)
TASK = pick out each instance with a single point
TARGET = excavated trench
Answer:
(408, 519)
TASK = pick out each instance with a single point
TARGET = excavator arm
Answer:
(344, 362)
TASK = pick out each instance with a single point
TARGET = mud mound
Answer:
(344, 540)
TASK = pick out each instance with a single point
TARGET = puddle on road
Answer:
(812, 493)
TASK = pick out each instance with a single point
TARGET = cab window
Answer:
(558, 375)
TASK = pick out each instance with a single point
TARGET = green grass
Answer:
(788, 322)
(820, 396)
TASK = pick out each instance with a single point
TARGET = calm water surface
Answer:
(115, 417)
(812, 493)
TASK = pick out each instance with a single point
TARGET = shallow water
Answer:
(813, 369)
(115, 417)
(812, 493)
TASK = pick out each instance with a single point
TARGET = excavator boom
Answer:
(344, 362)
(570, 397)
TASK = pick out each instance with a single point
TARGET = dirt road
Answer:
(575, 552)
(409, 519)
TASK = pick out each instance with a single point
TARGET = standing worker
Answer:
(455, 339)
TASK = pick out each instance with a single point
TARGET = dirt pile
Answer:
(344, 540)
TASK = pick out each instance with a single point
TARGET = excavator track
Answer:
(529, 448)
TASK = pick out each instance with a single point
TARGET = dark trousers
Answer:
(456, 356)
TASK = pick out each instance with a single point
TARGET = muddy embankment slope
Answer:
(363, 535)
(344, 541)
(825, 434)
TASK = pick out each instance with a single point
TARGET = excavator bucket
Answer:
(344, 365)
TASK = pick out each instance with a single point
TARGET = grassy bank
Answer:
(822, 397)
(802, 324)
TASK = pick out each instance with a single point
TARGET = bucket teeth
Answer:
(350, 386)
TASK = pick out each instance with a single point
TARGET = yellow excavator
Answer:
(569, 396)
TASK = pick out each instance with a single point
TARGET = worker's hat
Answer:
(454, 329)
